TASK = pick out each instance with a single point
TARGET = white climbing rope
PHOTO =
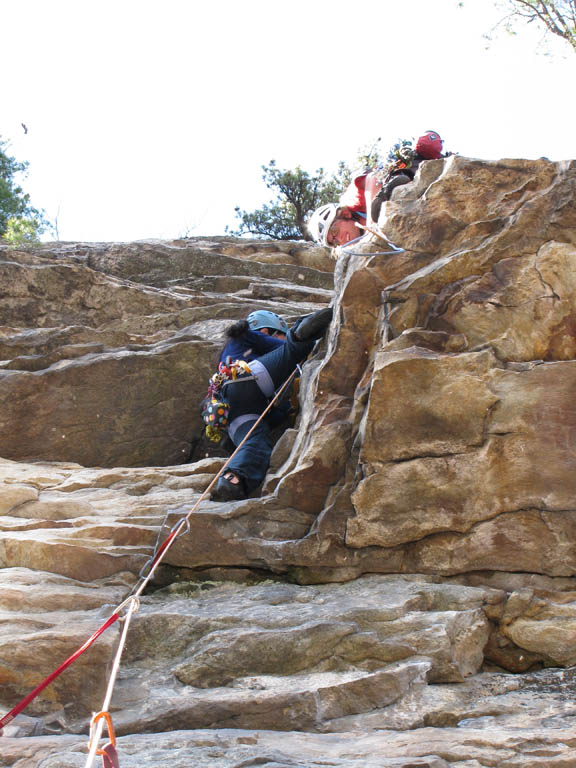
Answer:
(96, 729)
(97, 723)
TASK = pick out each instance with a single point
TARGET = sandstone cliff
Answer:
(402, 593)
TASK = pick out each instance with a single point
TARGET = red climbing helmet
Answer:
(429, 146)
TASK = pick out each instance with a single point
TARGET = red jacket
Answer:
(354, 197)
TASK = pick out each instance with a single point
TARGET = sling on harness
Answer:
(215, 409)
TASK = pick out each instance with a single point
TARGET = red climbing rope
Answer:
(27, 699)
(152, 563)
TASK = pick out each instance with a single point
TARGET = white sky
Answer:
(152, 119)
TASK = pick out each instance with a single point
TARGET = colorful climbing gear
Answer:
(227, 373)
(214, 408)
(400, 157)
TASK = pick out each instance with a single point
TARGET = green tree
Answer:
(19, 220)
(297, 194)
(369, 156)
(555, 17)
(22, 231)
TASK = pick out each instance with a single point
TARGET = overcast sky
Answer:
(152, 119)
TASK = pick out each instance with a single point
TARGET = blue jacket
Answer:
(249, 346)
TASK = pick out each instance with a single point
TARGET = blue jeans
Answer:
(249, 398)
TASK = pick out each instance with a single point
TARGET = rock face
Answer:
(103, 371)
(409, 564)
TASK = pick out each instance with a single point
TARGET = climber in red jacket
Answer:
(340, 223)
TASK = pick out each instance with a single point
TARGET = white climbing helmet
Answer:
(321, 221)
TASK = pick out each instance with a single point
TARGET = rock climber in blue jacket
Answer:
(250, 338)
(273, 352)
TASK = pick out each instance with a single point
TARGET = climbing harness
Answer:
(214, 408)
(227, 373)
(131, 604)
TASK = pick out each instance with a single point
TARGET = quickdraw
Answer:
(108, 751)
(227, 373)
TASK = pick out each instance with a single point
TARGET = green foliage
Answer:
(22, 231)
(297, 194)
(368, 156)
(18, 218)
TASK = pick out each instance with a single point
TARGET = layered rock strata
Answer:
(402, 592)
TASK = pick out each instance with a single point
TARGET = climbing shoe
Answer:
(312, 327)
(226, 490)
